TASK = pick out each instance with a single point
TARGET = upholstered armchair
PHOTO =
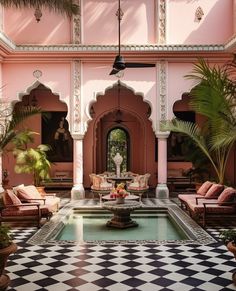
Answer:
(139, 185)
(100, 185)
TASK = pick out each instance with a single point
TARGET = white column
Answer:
(77, 192)
(1, 188)
(162, 191)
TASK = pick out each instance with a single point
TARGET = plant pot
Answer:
(4, 254)
(232, 248)
(120, 200)
(41, 190)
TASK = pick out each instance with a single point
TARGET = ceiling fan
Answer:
(119, 63)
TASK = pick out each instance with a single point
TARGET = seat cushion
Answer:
(204, 188)
(25, 211)
(228, 195)
(214, 191)
(9, 198)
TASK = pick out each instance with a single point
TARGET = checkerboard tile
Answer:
(119, 267)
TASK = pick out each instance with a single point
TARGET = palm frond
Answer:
(9, 132)
(69, 7)
(194, 132)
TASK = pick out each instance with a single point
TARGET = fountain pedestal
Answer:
(121, 213)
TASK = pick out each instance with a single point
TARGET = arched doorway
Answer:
(56, 110)
(130, 113)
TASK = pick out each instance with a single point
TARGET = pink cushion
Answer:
(204, 188)
(23, 195)
(214, 191)
(10, 198)
(30, 192)
(227, 195)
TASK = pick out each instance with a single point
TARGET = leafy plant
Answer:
(32, 160)
(214, 98)
(5, 236)
(8, 127)
(228, 235)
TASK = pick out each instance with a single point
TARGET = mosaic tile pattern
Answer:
(103, 267)
(148, 267)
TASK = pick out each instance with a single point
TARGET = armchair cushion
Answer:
(214, 191)
(204, 188)
(228, 195)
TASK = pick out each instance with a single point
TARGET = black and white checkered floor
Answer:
(148, 267)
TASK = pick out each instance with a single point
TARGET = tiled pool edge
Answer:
(48, 231)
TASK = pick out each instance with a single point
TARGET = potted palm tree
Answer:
(7, 247)
(214, 98)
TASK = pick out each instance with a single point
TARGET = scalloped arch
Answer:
(34, 86)
(123, 84)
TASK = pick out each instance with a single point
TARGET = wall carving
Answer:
(161, 21)
(162, 90)
(76, 97)
(76, 22)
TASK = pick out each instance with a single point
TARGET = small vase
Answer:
(120, 200)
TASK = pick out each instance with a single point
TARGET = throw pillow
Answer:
(228, 195)
(17, 187)
(10, 198)
(214, 191)
(204, 188)
(31, 191)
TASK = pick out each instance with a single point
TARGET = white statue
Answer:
(118, 160)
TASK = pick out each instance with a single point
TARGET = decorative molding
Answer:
(161, 21)
(76, 106)
(199, 14)
(76, 23)
(231, 43)
(7, 42)
(162, 90)
(125, 48)
(37, 74)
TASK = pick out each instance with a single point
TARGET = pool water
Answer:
(92, 227)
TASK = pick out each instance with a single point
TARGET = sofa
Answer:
(14, 210)
(30, 193)
(211, 201)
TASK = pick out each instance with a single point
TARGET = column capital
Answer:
(77, 136)
(162, 134)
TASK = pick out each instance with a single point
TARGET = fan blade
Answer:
(114, 71)
(139, 65)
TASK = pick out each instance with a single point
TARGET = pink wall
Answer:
(17, 78)
(20, 25)
(96, 79)
(101, 25)
(215, 27)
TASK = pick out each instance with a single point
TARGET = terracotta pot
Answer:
(232, 248)
(41, 190)
(4, 254)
